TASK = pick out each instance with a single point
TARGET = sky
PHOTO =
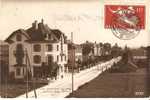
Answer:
(84, 19)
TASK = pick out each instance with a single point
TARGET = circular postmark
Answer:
(125, 24)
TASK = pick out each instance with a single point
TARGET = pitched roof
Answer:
(57, 33)
(40, 33)
(35, 34)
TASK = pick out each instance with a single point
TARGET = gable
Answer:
(19, 35)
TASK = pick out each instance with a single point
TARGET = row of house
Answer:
(40, 47)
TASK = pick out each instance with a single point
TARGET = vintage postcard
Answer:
(74, 48)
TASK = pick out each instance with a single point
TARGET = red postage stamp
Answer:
(125, 21)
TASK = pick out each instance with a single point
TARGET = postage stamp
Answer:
(125, 21)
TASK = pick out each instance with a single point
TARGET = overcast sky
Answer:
(84, 19)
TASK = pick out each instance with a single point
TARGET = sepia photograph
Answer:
(74, 49)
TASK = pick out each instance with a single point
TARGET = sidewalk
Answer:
(63, 87)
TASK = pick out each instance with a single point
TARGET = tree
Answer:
(87, 48)
(46, 70)
(127, 55)
(50, 70)
(116, 50)
(54, 69)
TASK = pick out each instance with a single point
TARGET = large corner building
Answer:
(37, 46)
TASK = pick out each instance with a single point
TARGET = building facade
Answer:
(32, 49)
(75, 57)
(98, 49)
(78, 53)
(71, 57)
(102, 49)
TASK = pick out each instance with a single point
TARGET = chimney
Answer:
(35, 25)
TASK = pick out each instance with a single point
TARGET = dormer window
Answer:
(18, 37)
(48, 37)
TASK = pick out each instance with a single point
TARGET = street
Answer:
(62, 87)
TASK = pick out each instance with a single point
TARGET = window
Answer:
(23, 71)
(50, 48)
(61, 58)
(65, 58)
(61, 69)
(50, 59)
(19, 47)
(57, 47)
(57, 58)
(37, 59)
(18, 37)
(37, 48)
(18, 71)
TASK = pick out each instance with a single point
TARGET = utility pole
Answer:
(34, 80)
(27, 79)
(72, 63)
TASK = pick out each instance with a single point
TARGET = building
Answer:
(78, 53)
(71, 57)
(140, 56)
(98, 49)
(78, 57)
(88, 52)
(102, 49)
(32, 49)
(106, 49)
(75, 57)
(4, 60)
